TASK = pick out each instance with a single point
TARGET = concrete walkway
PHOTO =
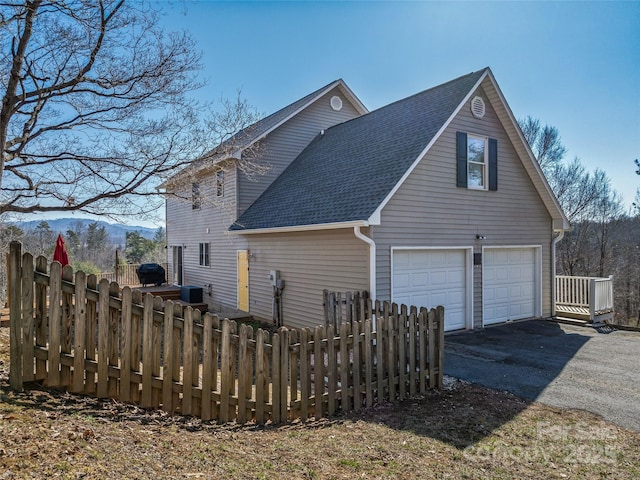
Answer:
(560, 365)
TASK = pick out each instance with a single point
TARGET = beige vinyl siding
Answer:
(188, 227)
(286, 142)
(309, 262)
(429, 210)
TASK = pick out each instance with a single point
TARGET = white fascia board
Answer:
(376, 215)
(301, 228)
(355, 101)
(532, 158)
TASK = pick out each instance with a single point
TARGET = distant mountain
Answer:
(117, 232)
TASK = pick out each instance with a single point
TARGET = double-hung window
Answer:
(204, 254)
(195, 196)
(477, 161)
(219, 183)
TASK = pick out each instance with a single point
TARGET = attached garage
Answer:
(511, 283)
(434, 276)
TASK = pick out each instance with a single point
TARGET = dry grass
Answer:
(462, 431)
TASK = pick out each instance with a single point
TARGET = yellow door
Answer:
(243, 280)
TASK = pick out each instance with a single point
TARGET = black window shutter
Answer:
(461, 147)
(493, 164)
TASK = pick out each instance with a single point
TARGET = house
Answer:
(435, 199)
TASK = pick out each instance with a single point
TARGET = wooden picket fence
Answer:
(341, 307)
(72, 332)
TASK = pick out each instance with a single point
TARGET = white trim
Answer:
(397, 186)
(301, 228)
(468, 277)
(538, 275)
(532, 158)
(554, 242)
(360, 107)
(478, 108)
(336, 103)
(485, 162)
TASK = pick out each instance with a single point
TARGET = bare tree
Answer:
(96, 108)
(544, 141)
(591, 204)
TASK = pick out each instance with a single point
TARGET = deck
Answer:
(584, 299)
(172, 292)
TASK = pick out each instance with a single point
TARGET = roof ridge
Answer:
(422, 92)
(461, 77)
(361, 150)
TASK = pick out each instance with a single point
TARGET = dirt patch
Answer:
(461, 431)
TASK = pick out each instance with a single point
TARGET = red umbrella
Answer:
(60, 254)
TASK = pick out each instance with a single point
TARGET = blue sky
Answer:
(574, 65)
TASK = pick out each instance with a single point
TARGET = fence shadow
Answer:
(523, 358)
(492, 376)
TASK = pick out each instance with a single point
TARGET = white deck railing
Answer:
(593, 294)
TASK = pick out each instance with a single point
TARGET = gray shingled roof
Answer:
(345, 174)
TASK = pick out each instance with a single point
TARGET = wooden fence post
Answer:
(15, 320)
(55, 318)
(226, 376)
(92, 321)
(27, 315)
(440, 315)
(187, 362)
(127, 361)
(207, 365)
(66, 326)
(80, 334)
(275, 378)
(318, 372)
(41, 318)
(262, 370)
(284, 373)
(103, 338)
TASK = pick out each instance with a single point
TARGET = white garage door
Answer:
(509, 281)
(428, 278)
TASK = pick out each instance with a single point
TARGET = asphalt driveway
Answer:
(560, 365)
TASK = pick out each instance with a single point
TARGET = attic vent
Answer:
(336, 103)
(477, 107)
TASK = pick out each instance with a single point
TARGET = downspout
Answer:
(372, 260)
(554, 242)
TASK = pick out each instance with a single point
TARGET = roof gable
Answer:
(247, 136)
(234, 145)
(350, 172)
(345, 174)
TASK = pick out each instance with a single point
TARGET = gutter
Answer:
(372, 260)
(554, 242)
(301, 228)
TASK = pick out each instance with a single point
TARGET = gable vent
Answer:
(477, 107)
(336, 103)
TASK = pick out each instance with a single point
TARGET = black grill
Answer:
(151, 273)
